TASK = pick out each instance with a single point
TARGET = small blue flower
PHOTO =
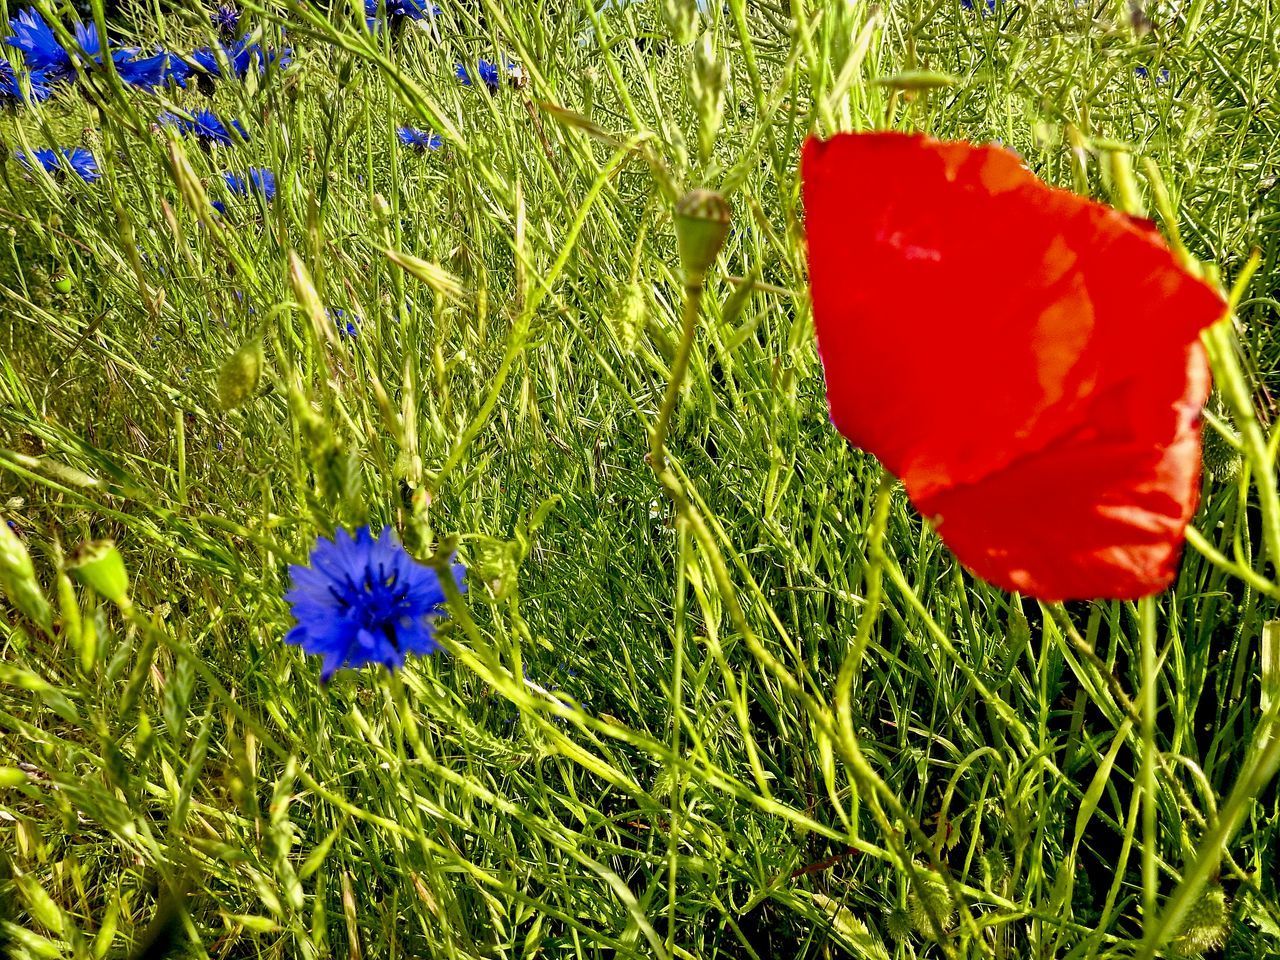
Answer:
(76, 159)
(12, 89)
(487, 72)
(1142, 74)
(226, 19)
(206, 126)
(420, 140)
(364, 600)
(969, 5)
(347, 326)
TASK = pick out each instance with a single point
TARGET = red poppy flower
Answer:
(1027, 361)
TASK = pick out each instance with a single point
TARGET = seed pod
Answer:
(1208, 923)
(928, 900)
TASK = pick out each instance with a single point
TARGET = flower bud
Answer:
(628, 317)
(708, 93)
(238, 378)
(702, 224)
(681, 17)
(99, 566)
(18, 579)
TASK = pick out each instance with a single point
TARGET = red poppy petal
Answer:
(1017, 354)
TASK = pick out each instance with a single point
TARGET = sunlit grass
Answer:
(627, 748)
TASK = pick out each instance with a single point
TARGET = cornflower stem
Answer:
(693, 288)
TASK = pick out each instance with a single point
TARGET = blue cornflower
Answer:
(226, 19)
(12, 89)
(969, 5)
(487, 72)
(38, 43)
(79, 160)
(240, 57)
(143, 72)
(420, 140)
(398, 10)
(364, 600)
(259, 180)
(206, 126)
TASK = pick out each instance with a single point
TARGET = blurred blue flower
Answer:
(1142, 74)
(420, 140)
(487, 73)
(206, 126)
(76, 159)
(226, 19)
(240, 56)
(12, 89)
(259, 180)
(398, 10)
(990, 5)
(364, 600)
(348, 326)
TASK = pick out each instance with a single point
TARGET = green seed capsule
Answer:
(63, 282)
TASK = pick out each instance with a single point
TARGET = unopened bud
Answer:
(702, 224)
(238, 378)
(99, 566)
(708, 93)
(681, 17)
(18, 579)
(629, 316)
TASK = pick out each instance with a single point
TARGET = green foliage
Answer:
(629, 747)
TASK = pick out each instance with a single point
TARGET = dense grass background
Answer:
(629, 748)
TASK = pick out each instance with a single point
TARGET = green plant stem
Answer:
(693, 288)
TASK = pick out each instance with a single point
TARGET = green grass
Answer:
(672, 779)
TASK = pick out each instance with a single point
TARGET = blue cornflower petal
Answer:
(421, 140)
(143, 72)
(206, 126)
(77, 159)
(259, 180)
(38, 43)
(12, 89)
(486, 71)
(364, 600)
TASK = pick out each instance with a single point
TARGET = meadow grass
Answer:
(639, 740)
